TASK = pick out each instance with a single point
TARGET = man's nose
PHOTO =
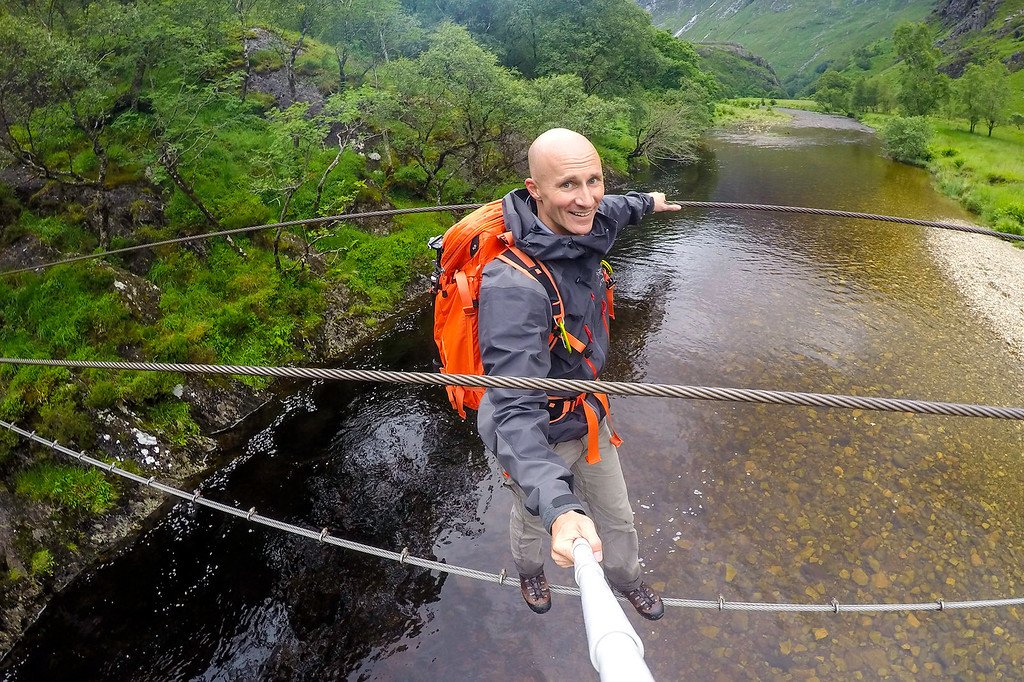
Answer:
(585, 196)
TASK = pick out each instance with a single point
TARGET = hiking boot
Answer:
(646, 602)
(536, 593)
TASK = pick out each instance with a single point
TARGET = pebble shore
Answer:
(989, 272)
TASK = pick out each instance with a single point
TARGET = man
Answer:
(564, 220)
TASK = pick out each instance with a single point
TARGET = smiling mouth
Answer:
(583, 214)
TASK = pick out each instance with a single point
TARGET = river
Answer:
(754, 503)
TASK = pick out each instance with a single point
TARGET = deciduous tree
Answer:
(921, 87)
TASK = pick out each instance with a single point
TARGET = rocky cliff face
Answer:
(965, 16)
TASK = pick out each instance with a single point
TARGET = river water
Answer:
(754, 503)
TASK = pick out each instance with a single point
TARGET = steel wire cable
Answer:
(244, 230)
(404, 557)
(465, 207)
(712, 393)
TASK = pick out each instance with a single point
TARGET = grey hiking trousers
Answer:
(603, 491)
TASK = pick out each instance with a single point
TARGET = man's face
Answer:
(568, 185)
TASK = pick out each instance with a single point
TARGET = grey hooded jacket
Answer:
(515, 323)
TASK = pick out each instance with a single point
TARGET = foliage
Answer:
(668, 128)
(610, 44)
(377, 270)
(921, 88)
(906, 139)
(982, 94)
(153, 97)
(71, 487)
(452, 112)
(369, 32)
(833, 92)
(235, 310)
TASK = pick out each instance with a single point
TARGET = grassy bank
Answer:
(736, 113)
(985, 174)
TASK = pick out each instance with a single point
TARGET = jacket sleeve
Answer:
(514, 327)
(627, 209)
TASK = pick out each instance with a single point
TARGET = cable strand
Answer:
(711, 393)
(466, 207)
(498, 578)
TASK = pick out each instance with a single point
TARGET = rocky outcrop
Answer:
(739, 51)
(964, 16)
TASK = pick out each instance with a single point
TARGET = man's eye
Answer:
(566, 185)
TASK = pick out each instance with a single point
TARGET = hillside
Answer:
(965, 31)
(740, 73)
(975, 30)
(796, 36)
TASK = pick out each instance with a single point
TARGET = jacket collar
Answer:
(520, 212)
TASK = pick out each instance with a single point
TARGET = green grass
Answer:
(70, 487)
(233, 310)
(805, 104)
(985, 174)
(739, 113)
(378, 269)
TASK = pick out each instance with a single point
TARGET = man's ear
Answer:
(531, 187)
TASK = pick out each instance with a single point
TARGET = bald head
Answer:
(556, 145)
(566, 181)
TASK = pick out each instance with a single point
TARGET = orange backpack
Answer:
(462, 253)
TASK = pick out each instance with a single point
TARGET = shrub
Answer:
(906, 139)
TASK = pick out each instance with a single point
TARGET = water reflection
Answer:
(751, 502)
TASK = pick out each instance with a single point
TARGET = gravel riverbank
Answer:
(989, 272)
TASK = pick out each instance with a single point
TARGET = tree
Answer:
(55, 110)
(865, 95)
(452, 113)
(243, 11)
(371, 31)
(921, 87)
(967, 91)
(982, 94)
(833, 92)
(305, 18)
(294, 140)
(669, 127)
(995, 94)
(560, 101)
(906, 139)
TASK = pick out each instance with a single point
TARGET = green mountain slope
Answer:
(965, 31)
(795, 36)
(740, 73)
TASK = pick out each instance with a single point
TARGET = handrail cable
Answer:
(466, 207)
(501, 578)
(714, 393)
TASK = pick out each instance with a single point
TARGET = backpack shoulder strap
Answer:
(535, 269)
